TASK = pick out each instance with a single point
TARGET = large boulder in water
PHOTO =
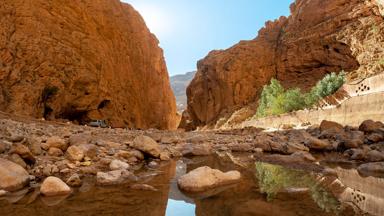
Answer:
(83, 60)
(206, 178)
(12, 176)
(53, 186)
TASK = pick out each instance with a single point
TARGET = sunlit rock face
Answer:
(83, 60)
(319, 37)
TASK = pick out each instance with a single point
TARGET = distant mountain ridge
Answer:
(179, 84)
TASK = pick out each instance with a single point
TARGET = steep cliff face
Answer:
(319, 37)
(82, 60)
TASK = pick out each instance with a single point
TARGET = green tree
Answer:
(276, 100)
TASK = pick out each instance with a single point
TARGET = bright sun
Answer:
(156, 19)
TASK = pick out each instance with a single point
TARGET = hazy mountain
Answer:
(179, 84)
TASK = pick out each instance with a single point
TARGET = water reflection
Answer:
(180, 208)
(265, 189)
(274, 179)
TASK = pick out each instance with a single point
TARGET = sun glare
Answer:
(156, 19)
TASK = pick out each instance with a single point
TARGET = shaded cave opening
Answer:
(103, 104)
(46, 95)
(74, 115)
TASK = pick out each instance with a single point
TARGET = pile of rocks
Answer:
(45, 149)
(54, 155)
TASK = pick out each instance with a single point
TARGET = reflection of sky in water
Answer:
(180, 208)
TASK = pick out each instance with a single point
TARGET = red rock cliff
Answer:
(319, 37)
(82, 60)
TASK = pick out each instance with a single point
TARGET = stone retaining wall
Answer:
(360, 101)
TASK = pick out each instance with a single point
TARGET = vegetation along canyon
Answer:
(144, 107)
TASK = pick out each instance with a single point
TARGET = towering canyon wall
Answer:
(320, 36)
(83, 60)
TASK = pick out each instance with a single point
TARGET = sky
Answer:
(189, 29)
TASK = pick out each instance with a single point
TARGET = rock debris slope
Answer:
(319, 37)
(83, 60)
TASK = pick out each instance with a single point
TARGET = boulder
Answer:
(374, 156)
(355, 154)
(131, 155)
(317, 144)
(56, 142)
(17, 159)
(75, 153)
(352, 143)
(205, 178)
(53, 186)
(372, 169)
(74, 180)
(80, 139)
(327, 125)
(24, 153)
(90, 150)
(113, 177)
(118, 165)
(12, 176)
(4, 146)
(202, 149)
(56, 152)
(143, 187)
(34, 145)
(147, 145)
(370, 126)
(164, 156)
(299, 157)
(375, 137)
(290, 148)
(352, 139)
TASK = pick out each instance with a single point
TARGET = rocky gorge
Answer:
(64, 64)
(319, 37)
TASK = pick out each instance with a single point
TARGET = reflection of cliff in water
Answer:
(174, 192)
(365, 193)
(245, 198)
(264, 189)
(92, 201)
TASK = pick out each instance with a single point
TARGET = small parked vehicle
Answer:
(98, 123)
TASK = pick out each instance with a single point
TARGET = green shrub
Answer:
(381, 61)
(276, 100)
(325, 87)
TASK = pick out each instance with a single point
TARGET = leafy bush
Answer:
(325, 87)
(276, 100)
(381, 61)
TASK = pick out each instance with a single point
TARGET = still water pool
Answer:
(265, 189)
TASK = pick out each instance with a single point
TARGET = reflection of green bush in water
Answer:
(274, 178)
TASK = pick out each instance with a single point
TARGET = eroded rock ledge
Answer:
(81, 60)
